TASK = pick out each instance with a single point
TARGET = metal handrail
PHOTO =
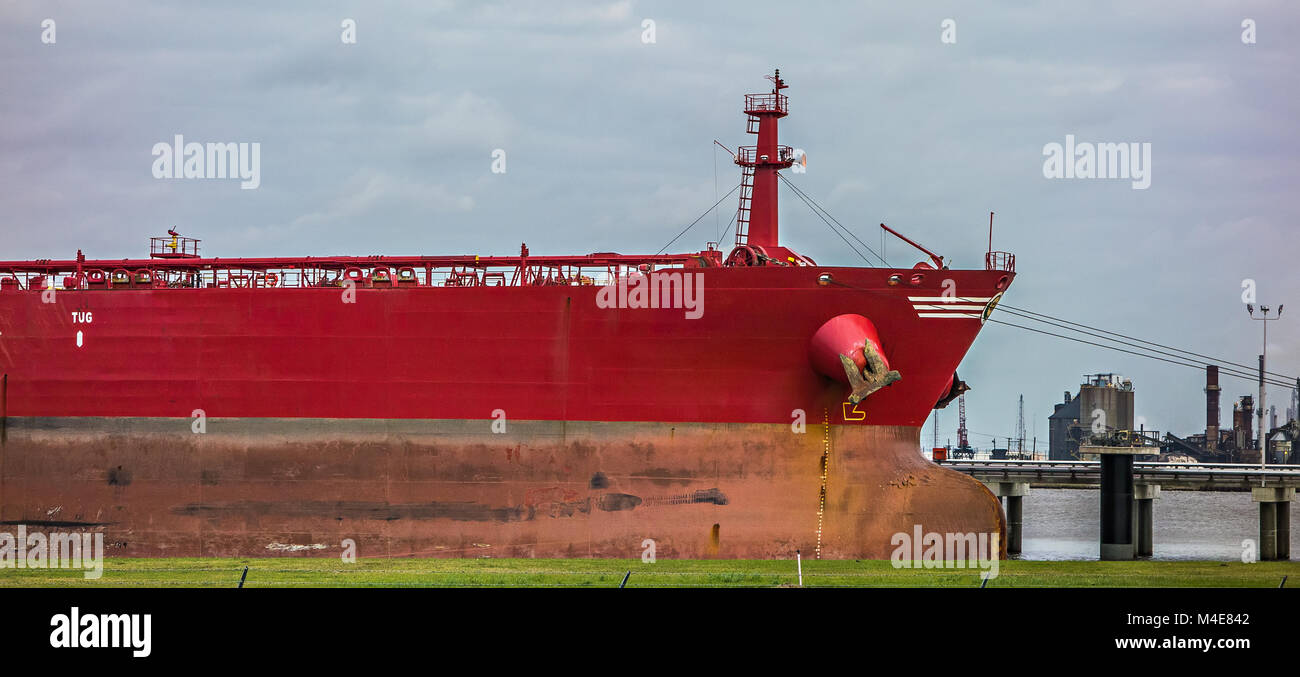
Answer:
(767, 102)
(1004, 261)
(1150, 463)
(749, 155)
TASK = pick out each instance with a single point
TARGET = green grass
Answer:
(606, 573)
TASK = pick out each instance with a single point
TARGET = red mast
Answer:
(756, 219)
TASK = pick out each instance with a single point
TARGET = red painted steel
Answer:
(756, 223)
(540, 352)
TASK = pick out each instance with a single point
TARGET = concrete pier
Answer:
(1013, 496)
(1117, 507)
(1128, 489)
(1284, 530)
(1119, 521)
(1145, 495)
(1274, 521)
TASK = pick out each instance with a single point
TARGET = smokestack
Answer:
(1212, 407)
(1243, 425)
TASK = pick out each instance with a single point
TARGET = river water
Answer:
(1063, 524)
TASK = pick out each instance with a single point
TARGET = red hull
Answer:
(538, 353)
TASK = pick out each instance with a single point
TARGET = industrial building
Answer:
(1103, 405)
(1240, 444)
(1102, 413)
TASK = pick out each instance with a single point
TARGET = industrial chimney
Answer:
(1212, 407)
(1242, 424)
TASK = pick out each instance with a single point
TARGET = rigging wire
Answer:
(1248, 373)
(833, 229)
(730, 223)
(810, 202)
(717, 224)
(1193, 365)
(1235, 369)
(697, 220)
(1159, 345)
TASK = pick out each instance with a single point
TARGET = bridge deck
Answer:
(1212, 476)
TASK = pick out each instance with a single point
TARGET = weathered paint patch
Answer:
(666, 477)
(359, 510)
(119, 477)
(714, 496)
(54, 523)
(615, 502)
(294, 547)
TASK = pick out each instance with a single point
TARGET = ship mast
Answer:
(757, 240)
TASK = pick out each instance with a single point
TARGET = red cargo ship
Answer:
(536, 406)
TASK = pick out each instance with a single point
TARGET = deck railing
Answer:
(1004, 261)
(767, 102)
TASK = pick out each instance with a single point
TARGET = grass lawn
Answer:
(598, 573)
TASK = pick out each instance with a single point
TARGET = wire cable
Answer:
(833, 228)
(1131, 352)
(810, 201)
(1246, 373)
(697, 220)
(1159, 345)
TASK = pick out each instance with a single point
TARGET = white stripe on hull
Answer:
(947, 300)
(948, 306)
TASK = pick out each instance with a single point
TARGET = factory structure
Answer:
(1102, 414)
(1102, 407)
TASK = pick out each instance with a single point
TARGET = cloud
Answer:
(370, 190)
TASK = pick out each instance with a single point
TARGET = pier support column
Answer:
(1284, 530)
(1267, 531)
(1274, 521)
(1145, 495)
(1118, 521)
(1014, 493)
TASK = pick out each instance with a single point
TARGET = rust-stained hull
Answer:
(453, 488)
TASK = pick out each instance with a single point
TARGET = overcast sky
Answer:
(385, 147)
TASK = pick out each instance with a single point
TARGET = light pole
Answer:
(1263, 358)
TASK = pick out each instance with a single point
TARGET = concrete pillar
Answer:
(1284, 531)
(1267, 531)
(1011, 495)
(1117, 507)
(1274, 521)
(1015, 520)
(1145, 495)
